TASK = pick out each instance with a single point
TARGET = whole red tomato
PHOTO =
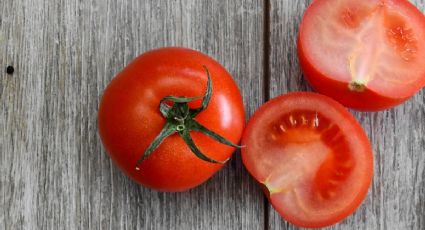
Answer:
(366, 54)
(163, 142)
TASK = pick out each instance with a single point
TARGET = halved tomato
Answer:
(366, 54)
(312, 156)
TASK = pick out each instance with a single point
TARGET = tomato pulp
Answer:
(311, 156)
(366, 54)
(130, 117)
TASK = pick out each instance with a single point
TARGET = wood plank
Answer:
(54, 173)
(396, 198)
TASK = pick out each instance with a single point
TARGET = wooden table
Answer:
(54, 173)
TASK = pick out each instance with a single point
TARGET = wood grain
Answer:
(54, 173)
(396, 199)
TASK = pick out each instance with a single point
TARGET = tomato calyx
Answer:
(181, 119)
(357, 86)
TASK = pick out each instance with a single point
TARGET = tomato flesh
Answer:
(311, 155)
(369, 45)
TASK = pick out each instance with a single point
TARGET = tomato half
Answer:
(311, 156)
(366, 54)
(130, 117)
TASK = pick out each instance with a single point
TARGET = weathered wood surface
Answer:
(54, 173)
(396, 199)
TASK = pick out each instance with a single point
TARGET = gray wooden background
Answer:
(54, 173)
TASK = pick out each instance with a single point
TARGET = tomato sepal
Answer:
(180, 119)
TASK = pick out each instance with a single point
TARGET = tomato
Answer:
(366, 54)
(130, 119)
(311, 156)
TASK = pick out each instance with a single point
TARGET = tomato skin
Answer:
(270, 112)
(368, 99)
(129, 118)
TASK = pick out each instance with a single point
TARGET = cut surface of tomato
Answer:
(369, 45)
(311, 155)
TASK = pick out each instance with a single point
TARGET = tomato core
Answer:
(313, 138)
